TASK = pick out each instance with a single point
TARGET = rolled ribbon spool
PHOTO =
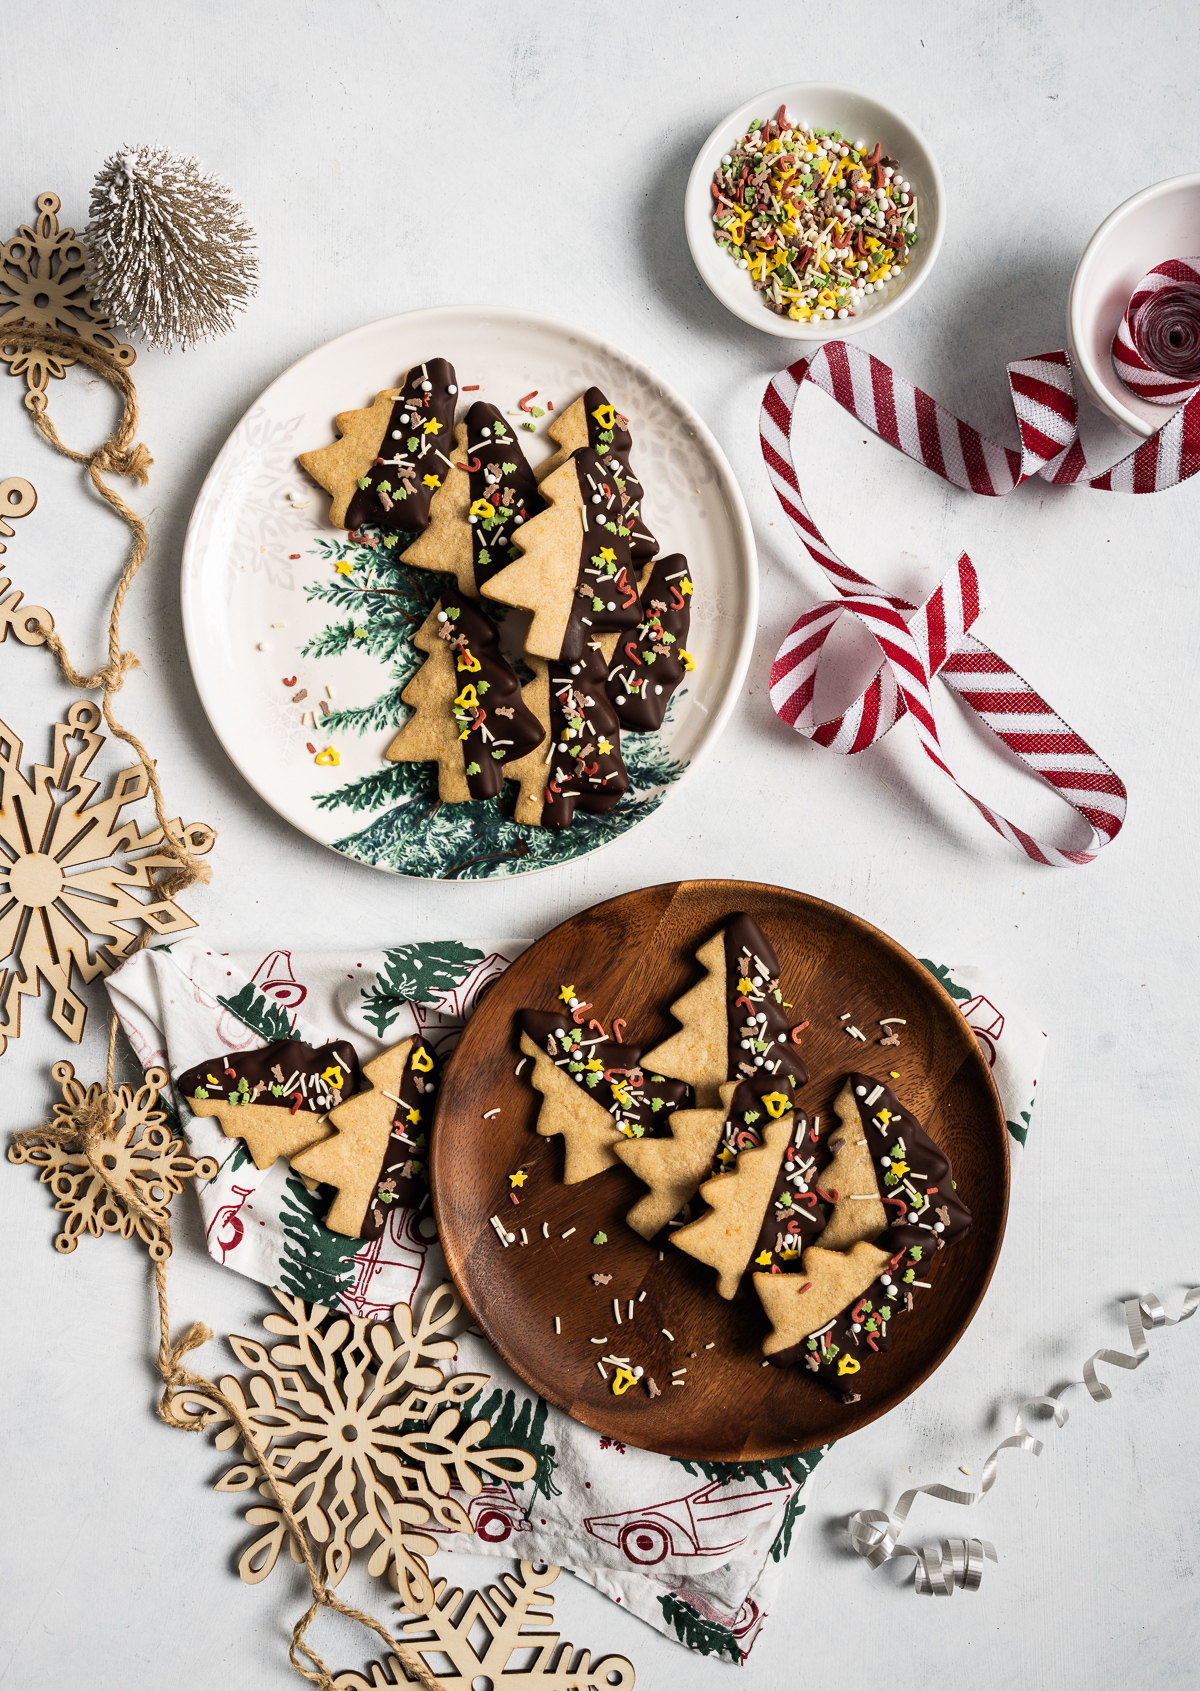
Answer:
(1156, 350)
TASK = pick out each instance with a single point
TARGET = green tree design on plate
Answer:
(381, 603)
(316, 1264)
(418, 973)
(522, 1427)
(707, 1637)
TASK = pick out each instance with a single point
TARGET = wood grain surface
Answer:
(632, 957)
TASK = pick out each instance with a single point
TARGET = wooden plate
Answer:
(632, 957)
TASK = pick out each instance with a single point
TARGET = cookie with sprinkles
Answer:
(725, 1237)
(274, 1099)
(735, 1023)
(392, 456)
(489, 493)
(594, 421)
(838, 1311)
(468, 712)
(649, 665)
(362, 1157)
(574, 571)
(674, 1167)
(587, 771)
(595, 1091)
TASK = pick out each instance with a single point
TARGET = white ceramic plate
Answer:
(822, 105)
(261, 594)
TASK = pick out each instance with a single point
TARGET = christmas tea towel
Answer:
(693, 1548)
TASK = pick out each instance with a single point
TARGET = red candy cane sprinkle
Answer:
(528, 400)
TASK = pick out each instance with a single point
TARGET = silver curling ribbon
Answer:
(875, 1534)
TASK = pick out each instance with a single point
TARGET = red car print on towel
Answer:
(745, 1625)
(495, 1514)
(986, 1023)
(713, 1521)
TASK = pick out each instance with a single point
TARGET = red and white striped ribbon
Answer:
(1156, 351)
(919, 642)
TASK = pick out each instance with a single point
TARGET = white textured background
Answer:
(395, 156)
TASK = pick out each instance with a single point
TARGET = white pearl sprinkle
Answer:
(264, 646)
(939, 1227)
(426, 387)
(860, 1091)
(595, 498)
(442, 617)
(452, 388)
(396, 435)
(620, 698)
(574, 1003)
(485, 431)
(574, 669)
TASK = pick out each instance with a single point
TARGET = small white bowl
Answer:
(1159, 223)
(823, 105)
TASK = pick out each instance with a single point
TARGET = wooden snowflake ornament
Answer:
(108, 1183)
(355, 1425)
(67, 870)
(504, 1618)
(43, 286)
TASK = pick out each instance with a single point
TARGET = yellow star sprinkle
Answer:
(433, 426)
(685, 586)
(788, 1254)
(344, 566)
(603, 746)
(414, 1116)
(725, 1156)
(607, 553)
(566, 993)
(518, 1179)
(432, 481)
(686, 659)
(763, 1259)
(885, 1116)
(745, 985)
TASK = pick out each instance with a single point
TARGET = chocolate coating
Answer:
(615, 442)
(606, 596)
(582, 722)
(403, 1174)
(279, 1074)
(393, 494)
(647, 668)
(504, 481)
(495, 724)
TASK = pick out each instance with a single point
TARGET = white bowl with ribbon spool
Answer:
(823, 105)
(1159, 223)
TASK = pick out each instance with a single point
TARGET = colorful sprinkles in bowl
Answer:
(823, 227)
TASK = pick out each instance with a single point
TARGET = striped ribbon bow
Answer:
(919, 642)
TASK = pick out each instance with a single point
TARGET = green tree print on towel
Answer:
(707, 1637)
(522, 1427)
(257, 1011)
(381, 603)
(942, 973)
(416, 973)
(316, 1264)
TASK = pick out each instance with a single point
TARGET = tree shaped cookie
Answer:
(574, 572)
(393, 456)
(649, 664)
(595, 1091)
(674, 1167)
(882, 1147)
(863, 1289)
(489, 494)
(363, 1146)
(798, 1305)
(593, 421)
(735, 1022)
(468, 713)
(725, 1236)
(275, 1099)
